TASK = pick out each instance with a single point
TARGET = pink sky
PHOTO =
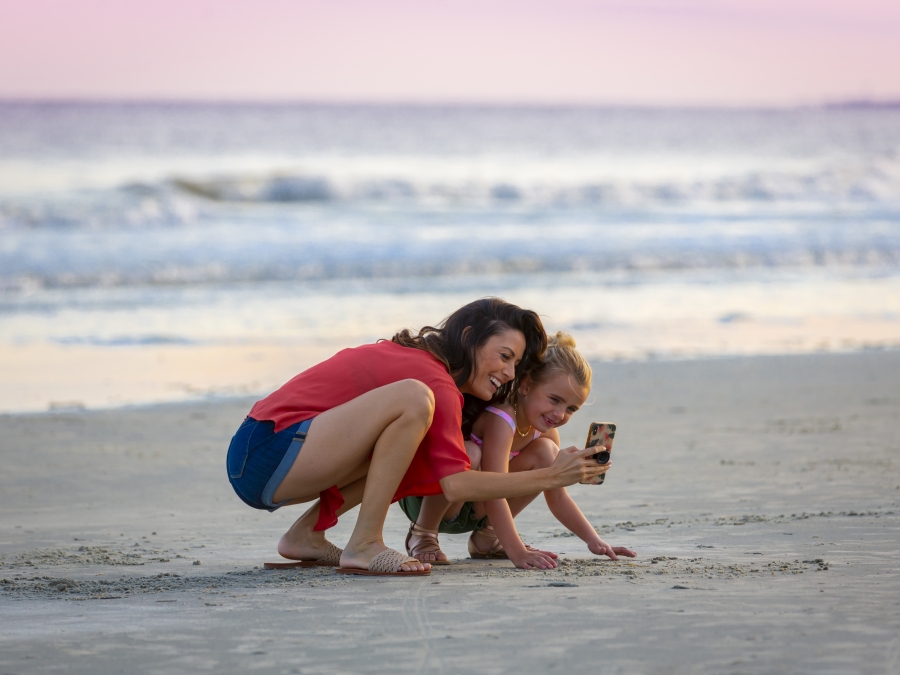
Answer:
(728, 52)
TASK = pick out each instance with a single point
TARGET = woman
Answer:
(380, 422)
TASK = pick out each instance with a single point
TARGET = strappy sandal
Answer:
(385, 564)
(495, 550)
(331, 558)
(428, 543)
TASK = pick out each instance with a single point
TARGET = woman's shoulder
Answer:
(390, 357)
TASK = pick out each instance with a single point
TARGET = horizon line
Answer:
(836, 103)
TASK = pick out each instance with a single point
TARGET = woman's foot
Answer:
(484, 543)
(298, 544)
(359, 557)
(423, 545)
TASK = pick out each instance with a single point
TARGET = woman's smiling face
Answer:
(495, 364)
(550, 404)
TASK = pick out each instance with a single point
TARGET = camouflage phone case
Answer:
(600, 436)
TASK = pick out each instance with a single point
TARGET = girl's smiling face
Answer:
(549, 404)
(495, 364)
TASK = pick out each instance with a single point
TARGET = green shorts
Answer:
(465, 521)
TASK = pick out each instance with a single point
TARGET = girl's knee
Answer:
(474, 452)
(542, 452)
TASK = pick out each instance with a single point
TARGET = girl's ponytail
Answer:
(562, 357)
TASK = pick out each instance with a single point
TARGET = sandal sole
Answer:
(368, 573)
(296, 563)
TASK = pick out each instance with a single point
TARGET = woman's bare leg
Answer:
(387, 424)
(301, 542)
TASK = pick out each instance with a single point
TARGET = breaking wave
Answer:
(455, 262)
(184, 200)
(873, 184)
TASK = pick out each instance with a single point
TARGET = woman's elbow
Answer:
(452, 487)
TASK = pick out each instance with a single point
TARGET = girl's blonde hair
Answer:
(562, 357)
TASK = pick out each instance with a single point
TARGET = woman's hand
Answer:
(600, 547)
(573, 465)
(529, 559)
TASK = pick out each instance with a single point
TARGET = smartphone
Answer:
(601, 436)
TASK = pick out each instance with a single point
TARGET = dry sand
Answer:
(762, 495)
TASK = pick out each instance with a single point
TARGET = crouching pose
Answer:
(379, 422)
(517, 436)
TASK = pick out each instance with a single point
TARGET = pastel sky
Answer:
(729, 52)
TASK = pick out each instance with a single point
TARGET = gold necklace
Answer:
(523, 434)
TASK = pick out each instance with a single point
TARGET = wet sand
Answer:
(762, 495)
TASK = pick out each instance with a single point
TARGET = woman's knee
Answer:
(418, 401)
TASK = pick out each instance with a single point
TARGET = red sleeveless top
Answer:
(353, 372)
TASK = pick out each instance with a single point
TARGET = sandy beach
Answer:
(761, 494)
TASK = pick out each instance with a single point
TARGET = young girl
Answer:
(519, 434)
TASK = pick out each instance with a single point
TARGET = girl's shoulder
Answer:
(495, 408)
(497, 416)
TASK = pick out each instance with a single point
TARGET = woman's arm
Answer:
(571, 466)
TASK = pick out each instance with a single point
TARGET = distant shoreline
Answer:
(601, 367)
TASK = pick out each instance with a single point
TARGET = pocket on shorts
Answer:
(239, 450)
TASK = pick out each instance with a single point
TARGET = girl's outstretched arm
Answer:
(566, 511)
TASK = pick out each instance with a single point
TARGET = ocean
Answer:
(162, 251)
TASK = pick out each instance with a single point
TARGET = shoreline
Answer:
(266, 362)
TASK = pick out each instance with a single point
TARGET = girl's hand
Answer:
(600, 547)
(537, 550)
(533, 559)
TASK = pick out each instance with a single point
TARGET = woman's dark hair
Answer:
(457, 338)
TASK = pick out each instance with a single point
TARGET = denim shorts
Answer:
(259, 459)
